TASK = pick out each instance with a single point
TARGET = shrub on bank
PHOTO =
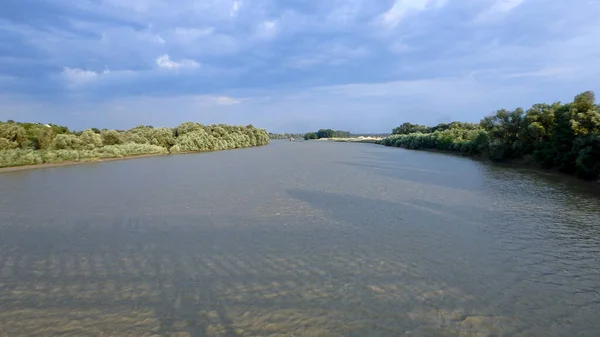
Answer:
(20, 157)
(32, 143)
(561, 136)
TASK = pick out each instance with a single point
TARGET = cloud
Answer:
(159, 39)
(267, 29)
(497, 10)
(235, 7)
(291, 65)
(165, 62)
(78, 76)
(345, 12)
(224, 100)
(189, 34)
(333, 53)
(401, 8)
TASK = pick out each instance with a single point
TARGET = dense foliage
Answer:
(327, 133)
(285, 135)
(562, 136)
(34, 143)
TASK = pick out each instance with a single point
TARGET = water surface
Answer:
(298, 239)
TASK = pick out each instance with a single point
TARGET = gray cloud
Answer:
(291, 66)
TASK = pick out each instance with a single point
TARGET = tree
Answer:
(311, 135)
(325, 133)
(585, 114)
(110, 137)
(408, 128)
(66, 142)
(14, 133)
(44, 138)
(90, 139)
(504, 128)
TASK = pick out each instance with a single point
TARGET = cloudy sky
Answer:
(291, 65)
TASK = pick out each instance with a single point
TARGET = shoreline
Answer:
(71, 163)
(102, 160)
(515, 163)
(365, 140)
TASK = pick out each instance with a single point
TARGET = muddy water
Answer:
(298, 239)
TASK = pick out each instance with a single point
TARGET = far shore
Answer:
(360, 139)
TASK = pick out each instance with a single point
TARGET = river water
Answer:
(298, 239)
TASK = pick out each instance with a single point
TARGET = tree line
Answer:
(285, 135)
(327, 133)
(35, 143)
(562, 136)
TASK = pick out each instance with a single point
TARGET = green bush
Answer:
(66, 142)
(90, 139)
(33, 143)
(562, 136)
(20, 157)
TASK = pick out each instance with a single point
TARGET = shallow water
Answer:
(298, 239)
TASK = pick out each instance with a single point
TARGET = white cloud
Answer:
(498, 9)
(225, 100)
(503, 6)
(198, 41)
(344, 11)
(188, 34)
(544, 72)
(77, 76)
(159, 39)
(165, 62)
(402, 8)
(331, 53)
(235, 8)
(267, 29)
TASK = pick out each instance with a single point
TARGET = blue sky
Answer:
(291, 65)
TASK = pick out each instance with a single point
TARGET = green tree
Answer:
(311, 135)
(110, 137)
(563, 139)
(14, 133)
(504, 129)
(585, 114)
(90, 139)
(66, 142)
(408, 128)
(325, 133)
(43, 138)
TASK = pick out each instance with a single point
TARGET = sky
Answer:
(291, 65)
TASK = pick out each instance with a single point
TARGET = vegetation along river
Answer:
(298, 239)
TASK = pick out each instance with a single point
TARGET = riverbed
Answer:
(298, 239)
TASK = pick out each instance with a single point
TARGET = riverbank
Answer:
(362, 139)
(70, 163)
(102, 160)
(524, 163)
(29, 145)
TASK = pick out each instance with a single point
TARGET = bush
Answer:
(110, 137)
(90, 139)
(20, 157)
(34, 143)
(66, 142)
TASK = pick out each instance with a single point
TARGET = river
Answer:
(298, 239)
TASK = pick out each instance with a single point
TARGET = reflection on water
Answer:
(298, 250)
